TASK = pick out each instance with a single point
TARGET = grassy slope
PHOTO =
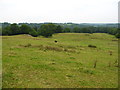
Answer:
(68, 63)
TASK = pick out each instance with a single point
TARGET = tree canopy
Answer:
(48, 29)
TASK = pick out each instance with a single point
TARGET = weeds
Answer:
(72, 57)
(27, 45)
(53, 48)
(95, 64)
(109, 64)
(69, 75)
(114, 40)
(116, 63)
(69, 50)
(110, 53)
(89, 71)
(12, 54)
(84, 70)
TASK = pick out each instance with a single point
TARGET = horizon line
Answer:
(68, 22)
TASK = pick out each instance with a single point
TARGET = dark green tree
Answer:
(112, 31)
(25, 29)
(0, 31)
(86, 30)
(76, 29)
(52, 27)
(14, 29)
(6, 31)
(58, 29)
(33, 33)
(47, 29)
(66, 29)
(118, 33)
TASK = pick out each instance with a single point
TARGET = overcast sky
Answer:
(76, 11)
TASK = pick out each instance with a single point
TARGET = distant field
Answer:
(37, 62)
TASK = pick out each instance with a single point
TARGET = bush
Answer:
(92, 46)
(117, 35)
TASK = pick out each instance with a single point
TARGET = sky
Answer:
(59, 11)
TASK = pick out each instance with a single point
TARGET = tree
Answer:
(35, 28)
(66, 29)
(0, 31)
(47, 29)
(86, 30)
(6, 31)
(112, 31)
(76, 29)
(118, 33)
(51, 27)
(33, 33)
(14, 29)
(25, 29)
(58, 29)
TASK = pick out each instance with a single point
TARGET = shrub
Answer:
(92, 46)
(117, 35)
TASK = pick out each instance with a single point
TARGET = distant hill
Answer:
(70, 25)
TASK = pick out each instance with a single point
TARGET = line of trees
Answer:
(49, 29)
(46, 30)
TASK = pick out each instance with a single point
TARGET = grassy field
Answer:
(37, 62)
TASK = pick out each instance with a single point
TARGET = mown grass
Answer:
(37, 62)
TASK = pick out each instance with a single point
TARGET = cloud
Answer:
(59, 10)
